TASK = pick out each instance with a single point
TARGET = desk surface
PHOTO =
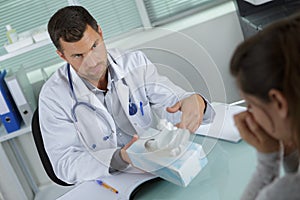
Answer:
(229, 168)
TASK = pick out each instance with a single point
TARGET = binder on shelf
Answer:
(9, 114)
(22, 93)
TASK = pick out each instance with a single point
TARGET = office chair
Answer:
(37, 136)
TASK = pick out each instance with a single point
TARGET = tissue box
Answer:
(179, 170)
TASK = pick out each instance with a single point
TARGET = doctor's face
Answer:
(87, 56)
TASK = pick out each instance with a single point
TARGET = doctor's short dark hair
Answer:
(69, 24)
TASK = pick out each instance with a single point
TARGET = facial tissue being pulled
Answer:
(169, 139)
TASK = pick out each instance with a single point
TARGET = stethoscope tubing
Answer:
(77, 103)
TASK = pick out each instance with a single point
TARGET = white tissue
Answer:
(169, 139)
(164, 124)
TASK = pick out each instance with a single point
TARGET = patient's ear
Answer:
(279, 102)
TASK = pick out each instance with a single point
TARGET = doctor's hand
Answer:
(254, 134)
(124, 154)
(192, 109)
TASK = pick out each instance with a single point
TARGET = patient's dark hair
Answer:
(69, 24)
(271, 60)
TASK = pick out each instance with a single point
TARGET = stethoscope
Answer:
(133, 108)
(87, 105)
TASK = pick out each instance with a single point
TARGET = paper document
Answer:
(22, 94)
(223, 125)
(125, 183)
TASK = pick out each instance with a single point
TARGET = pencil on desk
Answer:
(107, 186)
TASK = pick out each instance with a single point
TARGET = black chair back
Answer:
(38, 139)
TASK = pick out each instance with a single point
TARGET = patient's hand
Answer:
(253, 134)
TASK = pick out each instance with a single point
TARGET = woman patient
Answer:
(267, 71)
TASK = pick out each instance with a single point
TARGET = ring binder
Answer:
(9, 114)
(22, 93)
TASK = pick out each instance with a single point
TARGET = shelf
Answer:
(51, 191)
(25, 49)
(8, 136)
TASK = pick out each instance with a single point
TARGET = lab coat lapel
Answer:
(79, 87)
(121, 88)
(123, 94)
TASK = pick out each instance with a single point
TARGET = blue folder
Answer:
(9, 115)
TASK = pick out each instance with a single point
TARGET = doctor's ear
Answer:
(279, 102)
(61, 55)
(100, 31)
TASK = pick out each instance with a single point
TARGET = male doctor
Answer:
(92, 108)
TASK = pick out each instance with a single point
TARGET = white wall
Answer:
(183, 58)
(194, 52)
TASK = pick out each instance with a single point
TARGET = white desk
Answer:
(229, 168)
(227, 173)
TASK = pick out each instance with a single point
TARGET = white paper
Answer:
(16, 92)
(223, 125)
(3, 106)
(125, 183)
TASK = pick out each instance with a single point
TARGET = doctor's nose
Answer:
(91, 60)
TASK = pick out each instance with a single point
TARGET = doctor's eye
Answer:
(95, 45)
(77, 56)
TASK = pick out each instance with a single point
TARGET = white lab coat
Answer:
(72, 158)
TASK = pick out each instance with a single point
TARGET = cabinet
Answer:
(254, 18)
(13, 187)
(15, 166)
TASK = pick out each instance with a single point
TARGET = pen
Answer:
(107, 186)
(141, 108)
